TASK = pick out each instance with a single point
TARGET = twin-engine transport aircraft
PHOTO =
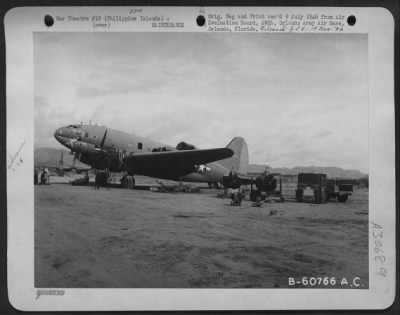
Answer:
(117, 151)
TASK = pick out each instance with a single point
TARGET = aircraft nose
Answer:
(58, 134)
(62, 136)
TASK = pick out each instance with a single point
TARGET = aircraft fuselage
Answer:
(88, 142)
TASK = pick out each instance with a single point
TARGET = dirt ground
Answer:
(121, 238)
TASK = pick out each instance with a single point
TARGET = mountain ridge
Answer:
(330, 171)
(50, 157)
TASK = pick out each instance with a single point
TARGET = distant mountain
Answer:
(50, 157)
(331, 172)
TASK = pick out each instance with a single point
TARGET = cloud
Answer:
(88, 92)
(47, 120)
(118, 86)
(322, 134)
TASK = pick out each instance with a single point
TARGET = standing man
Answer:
(36, 177)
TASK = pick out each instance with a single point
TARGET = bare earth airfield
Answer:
(141, 239)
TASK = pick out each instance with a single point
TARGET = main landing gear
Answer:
(215, 185)
(128, 181)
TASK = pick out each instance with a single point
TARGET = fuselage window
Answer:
(140, 145)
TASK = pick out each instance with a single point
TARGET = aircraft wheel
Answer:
(124, 182)
(128, 181)
(342, 198)
(216, 185)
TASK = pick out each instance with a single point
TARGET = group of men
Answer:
(102, 179)
(41, 177)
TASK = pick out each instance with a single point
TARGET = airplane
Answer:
(117, 151)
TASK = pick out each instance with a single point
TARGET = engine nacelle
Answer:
(185, 146)
(83, 147)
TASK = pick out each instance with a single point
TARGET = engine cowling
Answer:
(185, 146)
(83, 147)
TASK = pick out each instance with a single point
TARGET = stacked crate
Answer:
(289, 186)
(311, 187)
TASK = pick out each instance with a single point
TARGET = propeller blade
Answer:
(70, 143)
(103, 140)
(76, 156)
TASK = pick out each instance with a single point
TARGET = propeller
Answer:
(70, 143)
(103, 140)
(74, 160)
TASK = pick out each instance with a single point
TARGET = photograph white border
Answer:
(20, 23)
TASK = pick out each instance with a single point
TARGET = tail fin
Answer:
(239, 162)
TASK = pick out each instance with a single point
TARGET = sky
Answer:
(297, 99)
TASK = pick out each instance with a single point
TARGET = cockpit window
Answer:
(73, 126)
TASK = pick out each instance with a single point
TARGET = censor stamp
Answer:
(210, 158)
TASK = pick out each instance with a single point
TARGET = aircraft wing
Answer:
(173, 164)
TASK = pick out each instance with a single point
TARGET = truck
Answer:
(339, 189)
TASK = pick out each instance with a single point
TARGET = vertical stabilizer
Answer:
(239, 162)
